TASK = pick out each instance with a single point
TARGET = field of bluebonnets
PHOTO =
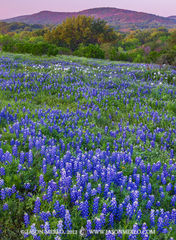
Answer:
(86, 145)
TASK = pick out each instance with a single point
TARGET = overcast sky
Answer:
(12, 8)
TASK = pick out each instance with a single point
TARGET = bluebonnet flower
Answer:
(2, 171)
(1, 182)
(144, 234)
(42, 182)
(5, 207)
(44, 168)
(161, 189)
(46, 228)
(149, 204)
(37, 205)
(67, 220)
(98, 224)
(172, 178)
(113, 206)
(27, 185)
(99, 188)
(3, 194)
(169, 187)
(160, 224)
(22, 157)
(111, 220)
(8, 192)
(129, 210)
(134, 195)
(153, 144)
(93, 192)
(102, 219)
(104, 208)
(88, 227)
(135, 233)
(135, 206)
(30, 158)
(15, 151)
(139, 215)
(110, 235)
(95, 205)
(33, 230)
(152, 217)
(62, 211)
(19, 168)
(172, 154)
(45, 216)
(162, 195)
(106, 129)
(149, 188)
(49, 194)
(120, 212)
(84, 207)
(60, 227)
(152, 198)
(26, 220)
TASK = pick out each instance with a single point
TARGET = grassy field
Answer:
(87, 148)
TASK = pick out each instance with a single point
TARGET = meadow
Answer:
(87, 149)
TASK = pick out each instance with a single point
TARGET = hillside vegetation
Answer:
(90, 37)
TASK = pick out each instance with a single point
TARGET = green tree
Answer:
(90, 51)
(76, 30)
(172, 40)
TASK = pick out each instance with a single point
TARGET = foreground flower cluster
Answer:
(87, 146)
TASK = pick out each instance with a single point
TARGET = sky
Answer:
(13, 8)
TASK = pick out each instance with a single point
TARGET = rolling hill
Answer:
(172, 17)
(118, 18)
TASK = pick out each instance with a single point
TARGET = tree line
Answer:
(89, 37)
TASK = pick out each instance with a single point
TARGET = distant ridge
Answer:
(118, 18)
(172, 17)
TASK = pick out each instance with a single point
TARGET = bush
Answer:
(152, 56)
(40, 48)
(52, 50)
(168, 57)
(124, 56)
(113, 54)
(44, 49)
(138, 59)
(7, 43)
(107, 47)
(22, 47)
(64, 50)
(90, 51)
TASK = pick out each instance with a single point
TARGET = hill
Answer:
(118, 18)
(172, 17)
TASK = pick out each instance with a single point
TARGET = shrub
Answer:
(138, 59)
(90, 51)
(64, 50)
(107, 47)
(167, 57)
(39, 49)
(113, 54)
(22, 47)
(52, 50)
(153, 56)
(7, 43)
(124, 56)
